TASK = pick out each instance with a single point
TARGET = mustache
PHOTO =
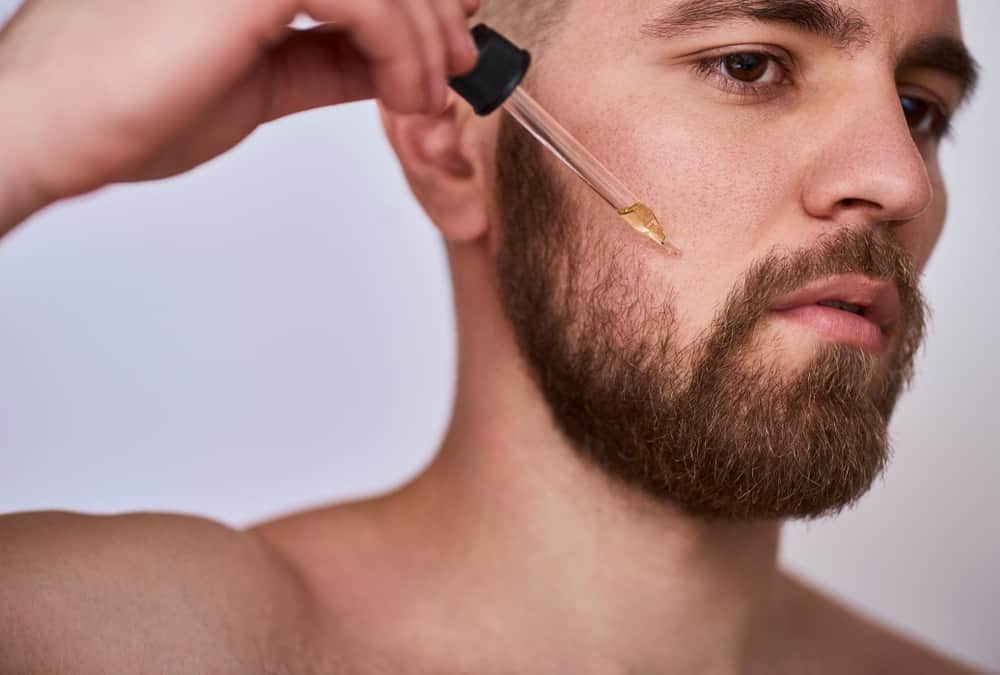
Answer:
(871, 252)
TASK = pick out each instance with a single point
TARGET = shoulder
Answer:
(362, 565)
(82, 594)
(834, 633)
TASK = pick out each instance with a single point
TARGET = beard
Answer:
(718, 428)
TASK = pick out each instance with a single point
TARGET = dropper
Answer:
(496, 82)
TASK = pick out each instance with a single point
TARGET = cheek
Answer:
(720, 198)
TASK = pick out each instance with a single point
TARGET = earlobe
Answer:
(437, 154)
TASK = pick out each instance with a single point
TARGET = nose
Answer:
(868, 168)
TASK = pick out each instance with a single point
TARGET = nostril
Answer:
(854, 203)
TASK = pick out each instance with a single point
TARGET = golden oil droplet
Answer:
(643, 220)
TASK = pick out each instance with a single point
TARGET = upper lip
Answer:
(878, 299)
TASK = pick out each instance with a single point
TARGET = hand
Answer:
(102, 91)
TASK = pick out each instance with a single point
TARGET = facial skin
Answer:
(677, 376)
(720, 427)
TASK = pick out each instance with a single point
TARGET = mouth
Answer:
(852, 309)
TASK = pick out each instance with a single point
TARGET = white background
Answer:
(273, 331)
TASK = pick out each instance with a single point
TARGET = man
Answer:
(630, 430)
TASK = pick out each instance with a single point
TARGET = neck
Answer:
(582, 571)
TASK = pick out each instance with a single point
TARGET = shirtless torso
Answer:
(514, 556)
(313, 593)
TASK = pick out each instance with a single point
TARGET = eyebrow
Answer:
(825, 18)
(948, 55)
(828, 19)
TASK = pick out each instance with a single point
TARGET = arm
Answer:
(127, 90)
(143, 594)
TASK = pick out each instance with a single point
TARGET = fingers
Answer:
(383, 31)
(433, 50)
(462, 52)
(312, 69)
(411, 45)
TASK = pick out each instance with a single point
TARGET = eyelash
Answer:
(711, 68)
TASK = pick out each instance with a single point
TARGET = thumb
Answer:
(315, 68)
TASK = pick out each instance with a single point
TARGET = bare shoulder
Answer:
(362, 565)
(836, 634)
(142, 593)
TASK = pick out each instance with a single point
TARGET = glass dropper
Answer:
(533, 117)
(496, 82)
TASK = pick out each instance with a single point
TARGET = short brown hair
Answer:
(530, 23)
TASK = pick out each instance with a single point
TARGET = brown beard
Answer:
(716, 428)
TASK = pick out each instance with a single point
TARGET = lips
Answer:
(851, 309)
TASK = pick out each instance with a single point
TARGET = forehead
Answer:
(897, 22)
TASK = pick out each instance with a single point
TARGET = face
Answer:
(755, 376)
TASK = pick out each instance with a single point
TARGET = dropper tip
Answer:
(661, 239)
(644, 221)
(670, 249)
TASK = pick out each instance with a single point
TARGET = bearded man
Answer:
(630, 430)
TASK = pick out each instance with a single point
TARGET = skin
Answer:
(507, 554)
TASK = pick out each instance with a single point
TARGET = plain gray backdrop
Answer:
(273, 331)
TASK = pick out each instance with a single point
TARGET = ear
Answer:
(445, 166)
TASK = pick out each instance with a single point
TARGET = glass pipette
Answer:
(495, 83)
(552, 135)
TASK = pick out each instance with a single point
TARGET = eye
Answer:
(752, 67)
(925, 117)
(746, 73)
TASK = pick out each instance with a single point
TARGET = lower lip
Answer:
(837, 325)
